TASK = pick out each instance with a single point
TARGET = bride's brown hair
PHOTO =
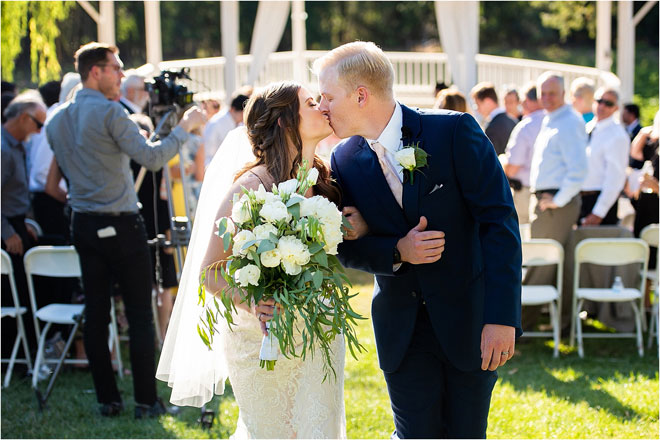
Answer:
(272, 118)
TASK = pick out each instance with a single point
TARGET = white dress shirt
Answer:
(560, 159)
(41, 155)
(390, 139)
(520, 148)
(130, 104)
(607, 156)
(215, 132)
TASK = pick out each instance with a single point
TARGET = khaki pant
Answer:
(521, 202)
(556, 224)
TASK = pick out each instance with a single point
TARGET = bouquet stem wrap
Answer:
(270, 350)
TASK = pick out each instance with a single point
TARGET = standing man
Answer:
(520, 149)
(25, 115)
(444, 320)
(630, 117)
(607, 158)
(93, 140)
(497, 123)
(559, 166)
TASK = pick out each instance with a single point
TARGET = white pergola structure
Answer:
(458, 28)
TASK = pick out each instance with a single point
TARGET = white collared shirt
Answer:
(496, 111)
(607, 156)
(520, 148)
(390, 139)
(40, 156)
(130, 104)
(560, 160)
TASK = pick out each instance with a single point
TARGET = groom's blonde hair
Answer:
(360, 64)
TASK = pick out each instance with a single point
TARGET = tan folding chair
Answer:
(544, 252)
(651, 235)
(59, 262)
(609, 252)
(16, 311)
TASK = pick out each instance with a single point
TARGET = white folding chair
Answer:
(544, 252)
(609, 252)
(651, 235)
(34, 225)
(59, 262)
(16, 312)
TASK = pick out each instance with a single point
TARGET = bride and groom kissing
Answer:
(441, 239)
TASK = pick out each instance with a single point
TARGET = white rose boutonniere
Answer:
(411, 158)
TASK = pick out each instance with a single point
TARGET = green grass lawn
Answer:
(612, 393)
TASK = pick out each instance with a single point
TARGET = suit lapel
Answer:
(412, 191)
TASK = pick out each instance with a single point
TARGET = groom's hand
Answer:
(498, 343)
(420, 246)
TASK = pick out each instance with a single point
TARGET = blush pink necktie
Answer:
(390, 175)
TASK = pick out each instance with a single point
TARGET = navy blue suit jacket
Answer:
(478, 279)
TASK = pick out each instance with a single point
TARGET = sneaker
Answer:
(155, 410)
(111, 409)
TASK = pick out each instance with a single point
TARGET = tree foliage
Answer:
(568, 17)
(38, 21)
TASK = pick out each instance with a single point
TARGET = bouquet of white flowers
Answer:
(283, 247)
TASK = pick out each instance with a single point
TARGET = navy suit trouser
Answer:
(431, 398)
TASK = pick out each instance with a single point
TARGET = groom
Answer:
(444, 319)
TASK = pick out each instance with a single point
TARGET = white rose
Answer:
(406, 157)
(239, 240)
(312, 176)
(262, 232)
(240, 212)
(288, 187)
(247, 275)
(274, 211)
(271, 258)
(292, 250)
(291, 268)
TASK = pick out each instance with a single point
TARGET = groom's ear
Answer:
(361, 94)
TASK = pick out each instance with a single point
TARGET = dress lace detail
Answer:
(292, 401)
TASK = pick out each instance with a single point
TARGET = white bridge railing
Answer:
(416, 73)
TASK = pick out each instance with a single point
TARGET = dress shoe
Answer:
(111, 409)
(155, 410)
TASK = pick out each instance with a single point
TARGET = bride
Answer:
(283, 125)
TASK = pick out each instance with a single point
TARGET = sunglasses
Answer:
(606, 102)
(36, 121)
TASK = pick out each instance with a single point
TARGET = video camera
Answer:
(165, 94)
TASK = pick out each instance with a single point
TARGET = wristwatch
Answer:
(397, 256)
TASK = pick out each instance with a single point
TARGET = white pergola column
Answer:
(153, 33)
(104, 18)
(625, 53)
(229, 32)
(604, 35)
(299, 40)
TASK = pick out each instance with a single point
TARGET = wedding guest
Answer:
(497, 124)
(630, 117)
(519, 151)
(607, 158)
(559, 166)
(222, 123)
(25, 116)
(451, 99)
(512, 103)
(582, 97)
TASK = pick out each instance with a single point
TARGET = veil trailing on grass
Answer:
(194, 372)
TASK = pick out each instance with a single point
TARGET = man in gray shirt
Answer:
(93, 140)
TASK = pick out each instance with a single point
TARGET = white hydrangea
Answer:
(247, 275)
(240, 212)
(406, 157)
(274, 211)
(294, 254)
(239, 240)
(271, 258)
(262, 232)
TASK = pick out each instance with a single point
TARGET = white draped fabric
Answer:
(458, 26)
(268, 29)
(229, 31)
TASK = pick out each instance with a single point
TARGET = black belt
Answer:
(551, 191)
(108, 213)
(589, 193)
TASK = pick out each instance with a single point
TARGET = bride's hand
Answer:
(264, 312)
(360, 227)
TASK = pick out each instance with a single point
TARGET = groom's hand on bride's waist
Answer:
(420, 246)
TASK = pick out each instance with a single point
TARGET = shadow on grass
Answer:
(579, 380)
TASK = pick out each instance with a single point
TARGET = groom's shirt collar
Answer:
(390, 137)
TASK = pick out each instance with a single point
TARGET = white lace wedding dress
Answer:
(292, 401)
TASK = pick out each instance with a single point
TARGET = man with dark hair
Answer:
(50, 92)
(630, 117)
(25, 116)
(93, 140)
(222, 123)
(497, 124)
